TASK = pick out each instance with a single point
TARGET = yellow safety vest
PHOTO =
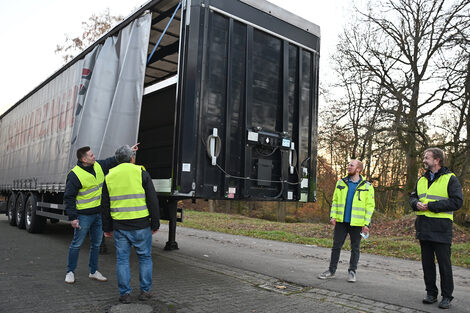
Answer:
(363, 203)
(126, 194)
(89, 196)
(437, 191)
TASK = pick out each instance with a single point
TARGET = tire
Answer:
(33, 223)
(20, 203)
(11, 209)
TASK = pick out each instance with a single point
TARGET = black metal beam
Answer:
(164, 51)
(164, 15)
(167, 32)
(159, 69)
(169, 61)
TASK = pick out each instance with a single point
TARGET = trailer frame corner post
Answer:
(315, 67)
(171, 244)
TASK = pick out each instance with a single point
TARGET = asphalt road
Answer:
(211, 272)
(383, 279)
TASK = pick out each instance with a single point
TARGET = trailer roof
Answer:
(284, 15)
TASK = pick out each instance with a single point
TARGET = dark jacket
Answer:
(73, 185)
(438, 229)
(152, 205)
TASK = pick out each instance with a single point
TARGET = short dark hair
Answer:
(437, 154)
(82, 152)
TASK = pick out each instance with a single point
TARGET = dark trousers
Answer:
(431, 250)
(341, 231)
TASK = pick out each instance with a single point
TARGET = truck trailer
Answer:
(221, 94)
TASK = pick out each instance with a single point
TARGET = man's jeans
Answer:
(341, 231)
(88, 224)
(141, 239)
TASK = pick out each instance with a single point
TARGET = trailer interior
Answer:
(156, 127)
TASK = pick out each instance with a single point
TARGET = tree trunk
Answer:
(212, 206)
(281, 211)
(411, 165)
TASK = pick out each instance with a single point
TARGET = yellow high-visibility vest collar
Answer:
(437, 191)
(126, 194)
(363, 203)
(89, 196)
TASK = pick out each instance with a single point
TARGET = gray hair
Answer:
(124, 154)
(437, 154)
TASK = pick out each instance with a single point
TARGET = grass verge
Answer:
(405, 246)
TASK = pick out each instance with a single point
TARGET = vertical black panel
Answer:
(215, 98)
(216, 73)
(237, 67)
(305, 100)
(293, 91)
(267, 82)
(285, 87)
(293, 111)
(248, 107)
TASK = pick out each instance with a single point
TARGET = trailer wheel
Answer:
(20, 202)
(11, 209)
(34, 223)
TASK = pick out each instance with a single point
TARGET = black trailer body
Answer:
(227, 109)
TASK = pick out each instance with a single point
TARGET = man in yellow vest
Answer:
(82, 198)
(131, 213)
(437, 195)
(351, 212)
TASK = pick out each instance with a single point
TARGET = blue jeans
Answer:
(89, 224)
(141, 239)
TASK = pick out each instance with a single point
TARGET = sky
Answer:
(30, 31)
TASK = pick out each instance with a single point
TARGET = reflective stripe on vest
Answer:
(126, 194)
(89, 196)
(437, 191)
(362, 206)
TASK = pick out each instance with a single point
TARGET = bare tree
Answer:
(404, 40)
(93, 28)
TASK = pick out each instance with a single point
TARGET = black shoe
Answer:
(445, 303)
(125, 298)
(430, 299)
(144, 296)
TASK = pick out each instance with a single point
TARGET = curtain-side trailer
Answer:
(221, 94)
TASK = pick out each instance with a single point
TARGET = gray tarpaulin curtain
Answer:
(111, 90)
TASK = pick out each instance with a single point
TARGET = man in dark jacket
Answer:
(437, 195)
(131, 213)
(82, 200)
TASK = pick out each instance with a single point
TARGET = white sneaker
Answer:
(70, 278)
(352, 277)
(97, 276)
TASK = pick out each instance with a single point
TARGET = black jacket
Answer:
(73, 185)
(438, 229)
(152, 205)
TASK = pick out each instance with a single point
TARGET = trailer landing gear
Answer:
(171, 209)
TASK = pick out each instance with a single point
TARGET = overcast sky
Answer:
(31, 29)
